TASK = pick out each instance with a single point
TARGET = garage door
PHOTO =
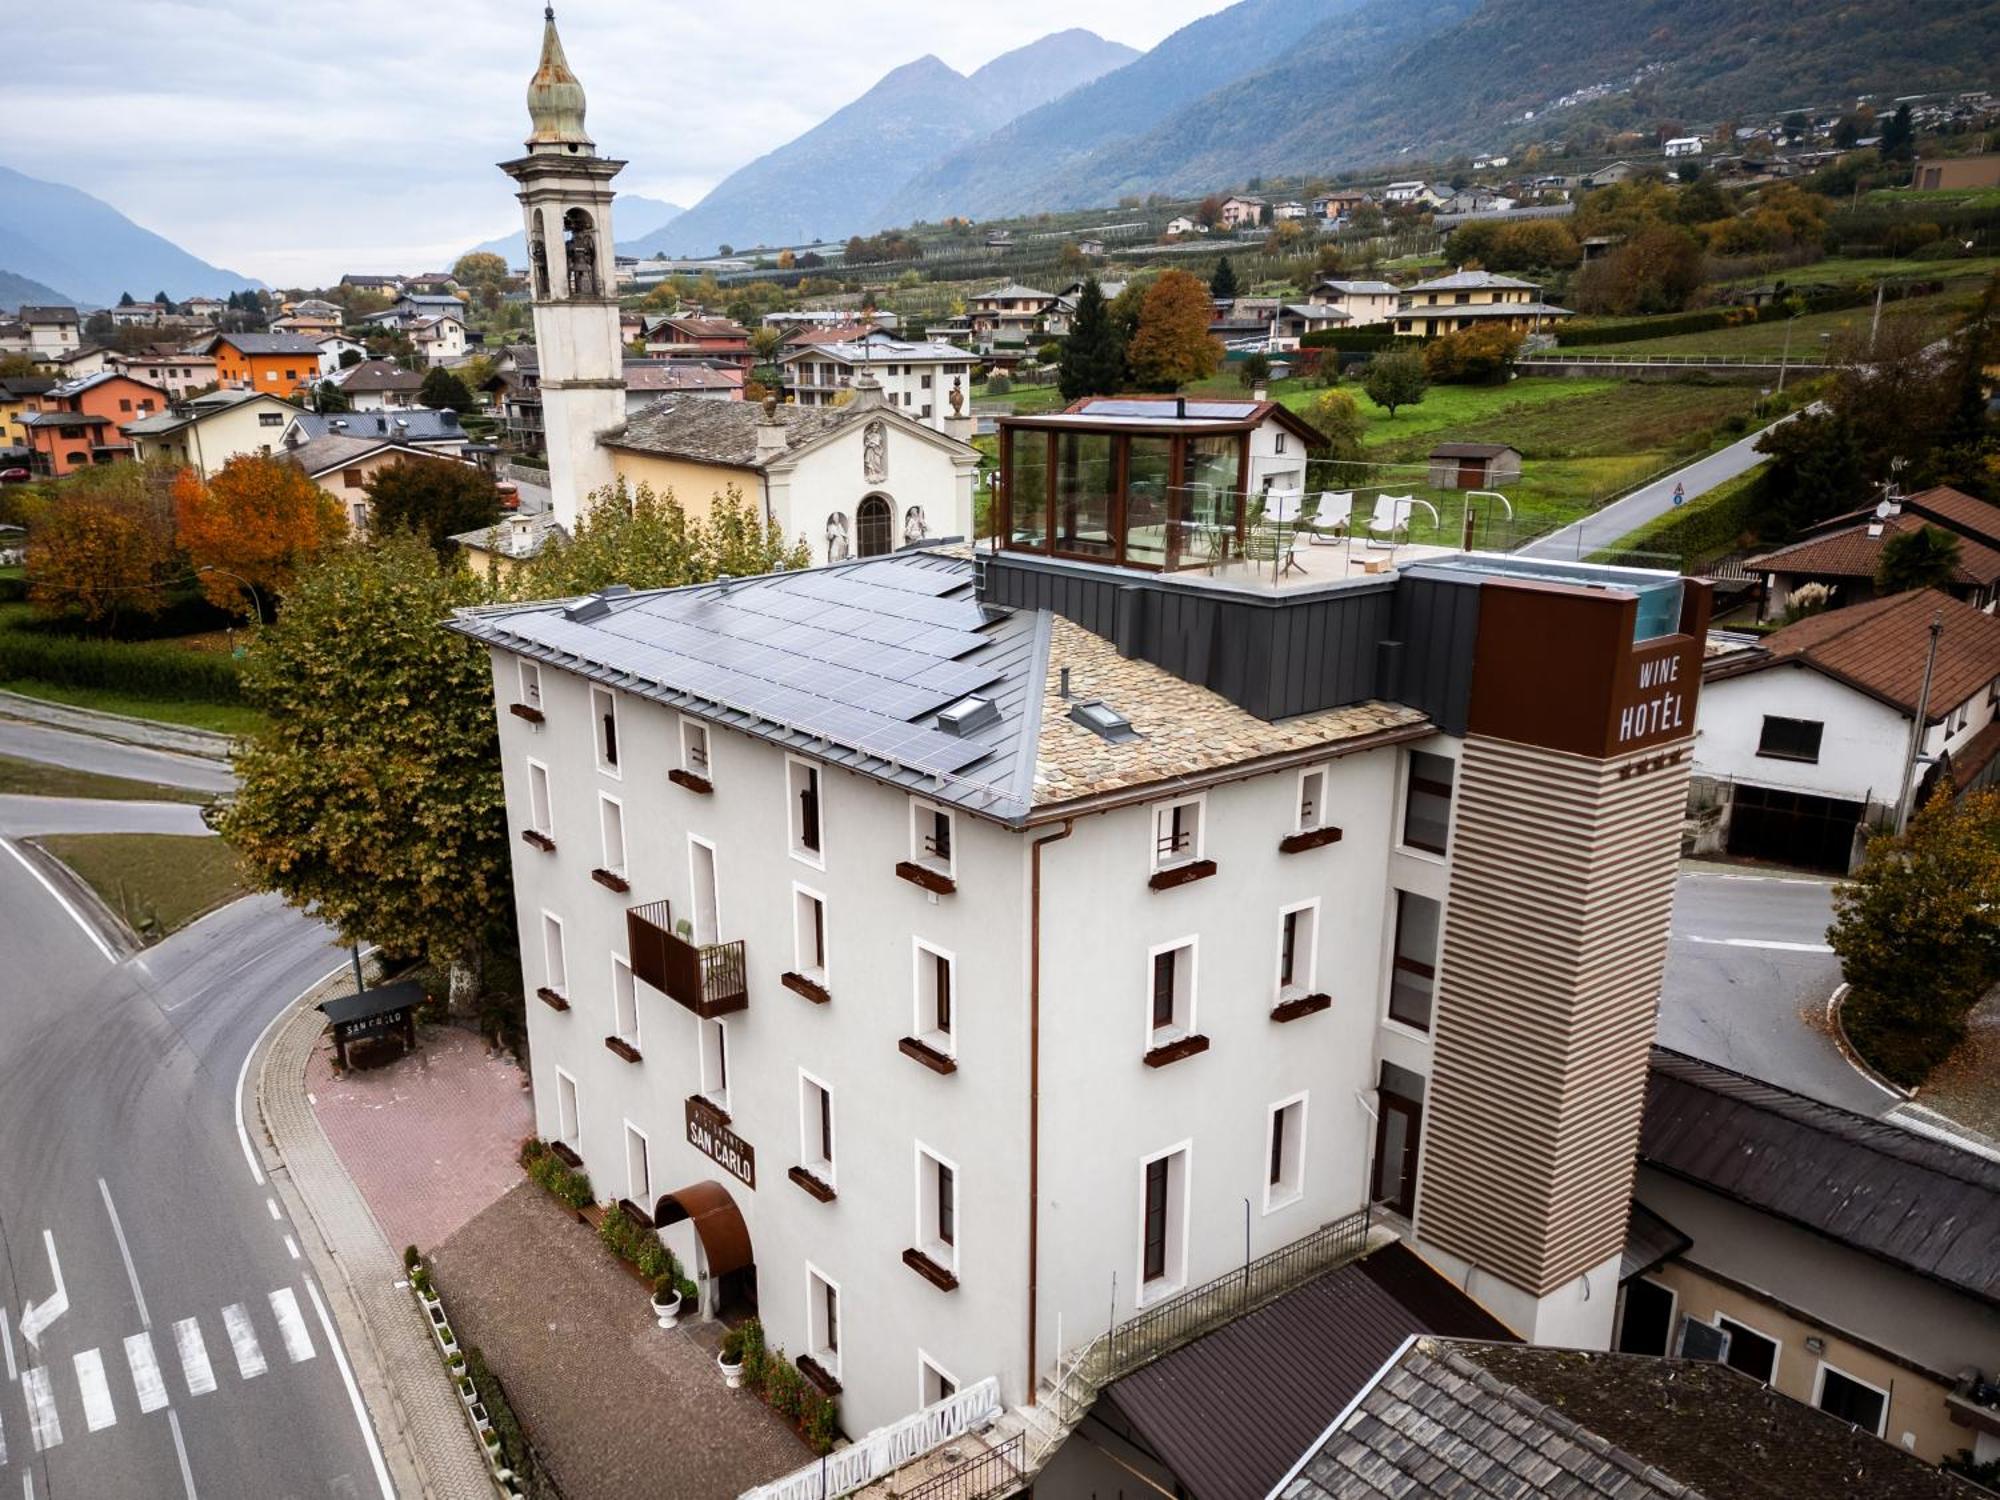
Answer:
(1792, 828)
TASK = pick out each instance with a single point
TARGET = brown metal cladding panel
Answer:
(1555, 937)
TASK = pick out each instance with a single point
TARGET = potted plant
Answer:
(666, 1300)
(730, 1360)
(467, 1392)
(684, 930)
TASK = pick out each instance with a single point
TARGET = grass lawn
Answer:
(1767, 340)
(223, 718)
(1838, 270)
(33, 778)
(158, 882)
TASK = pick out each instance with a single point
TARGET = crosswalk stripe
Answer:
(243, 1339)
(298, 1342)
(3, 1446)
(147, 1381)
(98, 1411)
(44, 1425)
(195, 1368)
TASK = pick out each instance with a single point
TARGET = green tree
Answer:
(1395, 378)
(479, 268)
(437, 498)
(1899, 136)
(328, 397)
(1926, 558)
(1093, 357)
(372, 796)
(442, 389)
(1173, 345)
(125, 299)
(1815, 472)
(645, 539)
(1222, 285)
(1254, 371)
(1336, 416)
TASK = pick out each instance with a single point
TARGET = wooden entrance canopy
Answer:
(718, 1224)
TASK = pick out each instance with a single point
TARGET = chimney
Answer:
(770, 431)
(1260, 394)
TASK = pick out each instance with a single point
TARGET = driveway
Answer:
(1748, 977)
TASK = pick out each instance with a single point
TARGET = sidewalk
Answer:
(425, 1439)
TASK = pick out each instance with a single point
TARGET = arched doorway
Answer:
(724, 1240)
(874, 527)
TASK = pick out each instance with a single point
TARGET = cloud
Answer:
(295, 142)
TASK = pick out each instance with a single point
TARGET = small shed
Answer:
(1473, 466)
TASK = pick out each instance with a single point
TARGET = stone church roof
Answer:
(704, 430)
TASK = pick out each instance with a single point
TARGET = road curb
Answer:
(1837, 1026)
(148, 734)
(426, 1443)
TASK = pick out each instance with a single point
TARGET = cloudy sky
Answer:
(295, 141)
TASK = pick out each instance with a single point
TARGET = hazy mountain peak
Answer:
(1047, 69)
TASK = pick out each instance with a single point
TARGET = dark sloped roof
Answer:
(263, 343)
(378, 375)
(1928, 1207)
(1855, 553)
(321, 455)
(1649, 1241)
(1963, 513)
(1472, 450)
(1230, 1412)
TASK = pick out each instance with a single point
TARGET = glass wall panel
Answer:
(1028, 499)
(1149, 501)
(1211, 513)
(1084, 480)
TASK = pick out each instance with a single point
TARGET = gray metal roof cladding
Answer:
(1924, 1205)
(847, 662)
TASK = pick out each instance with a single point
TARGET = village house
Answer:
(435, 432)
(1844, 554)
(204, 432)
(278, 364)
(1058, 319)
(1363, 302)
(1291, 208)
(343, 464)
(137, 315)
(1682, 145)
(721, 339)
(334, 352)
(511, 541)
(377, 385)
(381, 286)
(1242, 213)
(916, 378)
(76, 423)
(207, 310)
(646, 380)
(1180, 225)
(439, 340)
(1468, 299)
(51, 331)
(1958, 173)
(174, 370)
(1336, 207)
(1412, 194)
(19, 395)
(1010, 314)
(1473, 466)
(316, 320)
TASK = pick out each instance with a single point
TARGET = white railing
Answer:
(888, 1448)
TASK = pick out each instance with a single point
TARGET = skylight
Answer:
(1104, 721)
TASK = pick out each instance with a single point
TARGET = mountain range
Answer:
(1270, 88)
(635, 217)
(65, 239)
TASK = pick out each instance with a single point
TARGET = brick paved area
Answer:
(431, 1138)
(616, 1406)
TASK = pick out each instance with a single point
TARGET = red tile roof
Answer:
(1853, 553)
(1963, 513)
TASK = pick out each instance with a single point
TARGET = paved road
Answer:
(83, 752)
(1618, 520)
(185, 1354)
(27, 815)
(1748, 977)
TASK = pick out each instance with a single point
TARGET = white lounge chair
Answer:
(1282, 507)
(1392, 516)
(1335, 514)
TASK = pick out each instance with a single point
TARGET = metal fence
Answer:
(987, 1474)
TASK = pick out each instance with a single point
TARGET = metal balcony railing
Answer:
(710, 979)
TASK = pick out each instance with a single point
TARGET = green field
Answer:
(1768, 340)
(33, 778)
(223, 718)
(1839, 270)
(157, 882)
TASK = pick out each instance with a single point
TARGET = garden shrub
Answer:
(156, 671)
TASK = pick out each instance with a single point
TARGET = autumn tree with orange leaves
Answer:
(260, 521)
(101, 542)
(1173, 345)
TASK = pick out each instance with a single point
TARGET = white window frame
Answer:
(1306, 774)
(1777, 1344)
(793, 833)
(574, 1124)
(1175, 1279)
(694, 888)
(1182, 1027)
(613, 769)
(551, 971)
(645, 1162)
(1162, 812)
(610, 813)
(921, 811)
(1819, 1389)
(828, 1359)
(925, 1030)
(822, 1167)
(707, 769)
(1279, 1195)
(624, 984)
(1394, 925)
(927, 1367)
(1298, 989)
(927, 1241)
(819, 973)
(714, 1093)
(547, 827)
(530, 682)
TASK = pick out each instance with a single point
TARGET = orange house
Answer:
(77, 422)
(276, 364)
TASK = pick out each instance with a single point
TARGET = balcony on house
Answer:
(708, 978)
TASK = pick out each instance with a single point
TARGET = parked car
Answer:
(16, 475)
(510, 497)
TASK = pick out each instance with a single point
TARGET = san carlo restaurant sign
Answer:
(709, 1133)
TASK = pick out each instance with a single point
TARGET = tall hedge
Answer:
(143, 670)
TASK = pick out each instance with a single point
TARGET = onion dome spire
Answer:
(555, 98)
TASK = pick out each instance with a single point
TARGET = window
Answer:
(1647, 1318)
(351, 479)
(611, 824)
(540, 812)
(715, 1064)
(1413, 975)
(1790, 739)
(931, 839)
(1281, 444)
(531, 684)
(809, 933)
(1399, 1121)
(1312, 799)
(937, 1018)
(1170, 993)
(937, 1208)
(624, 1006)
(1298, 930)
(124, 403)
(1177, 833)
(1163, 1223)
(925, 382)
(1851, 1400)
(555, 962)
(1284, 1165)
(1749, 1351)
(802, 781)
(604, 709)
(816, 1127)
(823, 1321)
(933, 1383)
(569, 1130)
(638, 1168)
(270, 418)
(1427, 801)
(694, 747)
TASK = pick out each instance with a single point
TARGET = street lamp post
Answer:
(256, 599)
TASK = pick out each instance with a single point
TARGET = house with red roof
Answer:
(1844, 553)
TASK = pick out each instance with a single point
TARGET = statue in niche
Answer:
(957, 397)
(580, 254)
(837, 549)
(538, 258)
(914, 529)
(875, 453)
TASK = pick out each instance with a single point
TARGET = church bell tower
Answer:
(566, 200)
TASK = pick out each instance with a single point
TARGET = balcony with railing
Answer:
(708, 978)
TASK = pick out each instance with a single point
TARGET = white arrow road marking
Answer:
(7, 1341)
(1762, 943)
(44, 1426)
(36, 1316)
(195, 1368)
(147, 1382)
(292, 1324)
(98, 1412)
(243, 1339)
